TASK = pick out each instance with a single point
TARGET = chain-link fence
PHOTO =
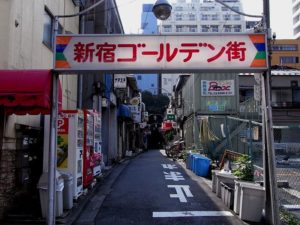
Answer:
(218, 133)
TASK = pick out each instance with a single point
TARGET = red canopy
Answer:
(27, 91)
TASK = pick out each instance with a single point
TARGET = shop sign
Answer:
(120, 81)
(141, 53)
(170, 117)
(217, 87)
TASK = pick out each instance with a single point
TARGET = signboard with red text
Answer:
(217, 87)
(142, 53)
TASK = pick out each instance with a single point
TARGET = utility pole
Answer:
(271, 206)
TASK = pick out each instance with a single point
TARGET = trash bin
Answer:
(68, 190)
(202, 165)
(43, 190)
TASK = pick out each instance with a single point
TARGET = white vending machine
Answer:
(97, 143)
(70, 147)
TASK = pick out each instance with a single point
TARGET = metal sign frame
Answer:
(161, 53)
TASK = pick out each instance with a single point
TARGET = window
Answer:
(204, 28)
(237, 28)
(192, 17)
(139, 77)
(178, 17)
(236, 17)
(48, 25)
(192, 28)
(284, 47)
(226, 17)
(286, 97)
(179, 28)
(204, 17)
(224, 9)
(281, 96)
(236, 8)
(178, 8)
(288, 59)
(214, 28)
(48, 29)
(227, 28)
(214, 17)
(167, 28)
(246, 94)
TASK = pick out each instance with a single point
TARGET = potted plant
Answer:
(248, 196)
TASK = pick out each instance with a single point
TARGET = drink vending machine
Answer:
(88, 148)
(70, 143)
(97, 157)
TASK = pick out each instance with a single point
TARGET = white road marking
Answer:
(191, 214)
(169, 166)
(180, 191)
(175, 176)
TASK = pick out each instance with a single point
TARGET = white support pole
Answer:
(53, 137)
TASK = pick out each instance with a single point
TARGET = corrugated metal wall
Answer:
(216, 104)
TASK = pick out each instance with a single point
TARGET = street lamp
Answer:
(162, 9)
(271, 210)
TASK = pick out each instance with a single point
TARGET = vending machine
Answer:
(97, 158)
(70, 141)
(88, 148)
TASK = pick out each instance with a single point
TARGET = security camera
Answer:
(162, 9)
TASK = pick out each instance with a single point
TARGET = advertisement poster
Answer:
(62, 142)
(217, 87)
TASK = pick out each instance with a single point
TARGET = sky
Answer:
(280, 13)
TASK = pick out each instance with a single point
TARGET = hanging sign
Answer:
(144, 53)
(120, 81)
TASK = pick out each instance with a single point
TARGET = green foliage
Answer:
(169, 135)
(287, 218)
(243, 168)
(155, 104)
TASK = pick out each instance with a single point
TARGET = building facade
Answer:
(26, 44)
(296, 18)
(200, 16)
(148, 82)
(285, 53)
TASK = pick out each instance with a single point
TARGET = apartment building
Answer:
(200, 16)
(296, 18)
(286, 52)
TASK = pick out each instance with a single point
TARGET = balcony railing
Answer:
(285, 105)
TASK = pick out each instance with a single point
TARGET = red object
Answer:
(166, 125)
(88, 151)
(27, 91)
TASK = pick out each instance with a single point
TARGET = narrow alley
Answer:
(152, 189)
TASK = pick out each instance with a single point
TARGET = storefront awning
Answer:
(124, 112)
(27, 91)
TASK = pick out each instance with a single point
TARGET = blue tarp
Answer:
(124, 111)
